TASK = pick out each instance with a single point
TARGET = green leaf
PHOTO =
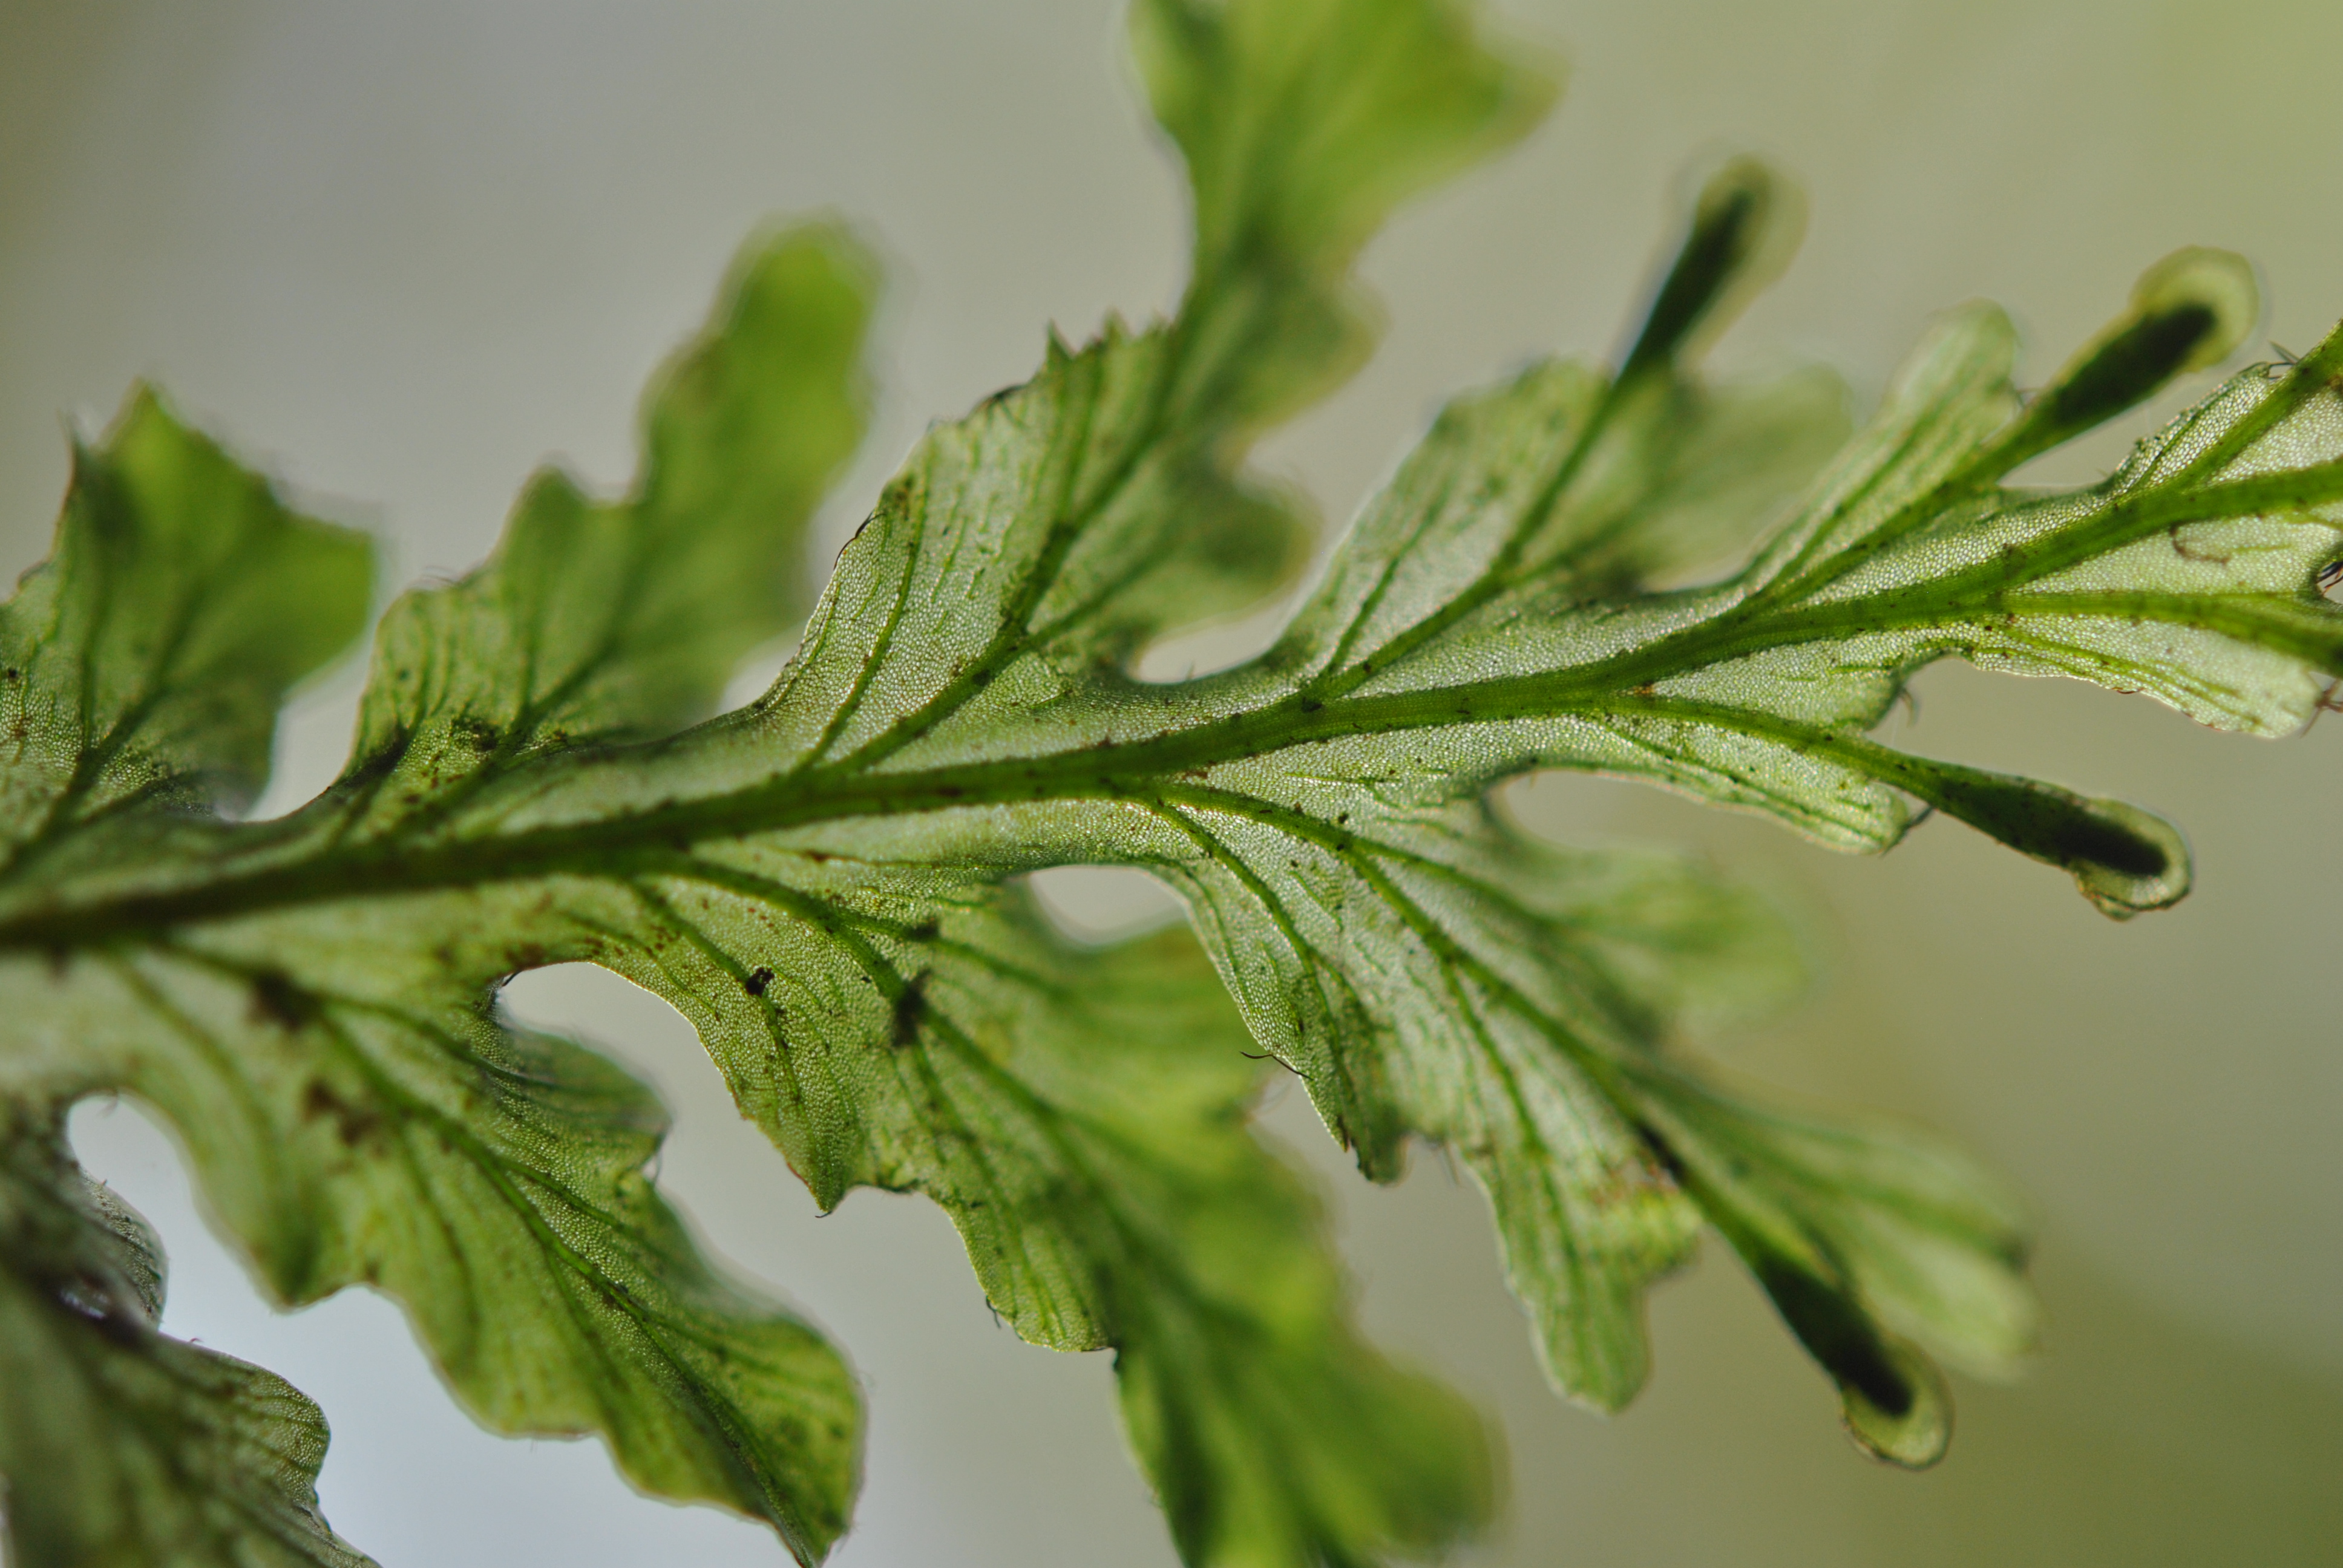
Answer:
(1082, 1116)
(1879, 1247)
(360, 1114)
(145, 1450)
(145, 660)
(606, 620)
(1302, 125)
(1638, 573)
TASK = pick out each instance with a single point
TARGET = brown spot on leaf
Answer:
(2188, 552)
(352, 1124)
(277, 1000)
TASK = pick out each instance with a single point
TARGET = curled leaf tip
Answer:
(2188, 311)
(2199, 283)
(1746, 222)
(2126, 861)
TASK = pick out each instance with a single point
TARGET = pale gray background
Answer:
(402, 253)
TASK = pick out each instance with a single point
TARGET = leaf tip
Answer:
(2126, 861)
(1892, 1399)
(2191, 309)
(1746, 224)
(1913, 1428)
(2201, 283)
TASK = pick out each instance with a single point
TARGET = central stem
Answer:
(1620, 685)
